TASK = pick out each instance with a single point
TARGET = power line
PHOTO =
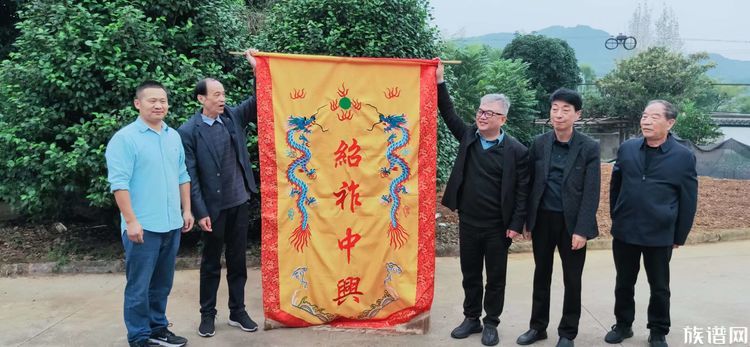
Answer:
(716, 40)
(602, 37)
(713, 84)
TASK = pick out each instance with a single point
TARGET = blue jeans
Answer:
(149, 269)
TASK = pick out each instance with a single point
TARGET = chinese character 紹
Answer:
(348, 286)
(348, 242)
(348, 154)
(348, 189)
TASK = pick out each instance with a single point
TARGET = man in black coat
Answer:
(215, 141)
(565, 170)
(488, 187)
(653, 199)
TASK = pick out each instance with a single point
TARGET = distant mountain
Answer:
(729, 70)
(588, 44)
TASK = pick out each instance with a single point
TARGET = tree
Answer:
(68, 86)
(640, 26)
(509, 77)
(694, 125)
(8, 20)
(552, 64)
(668, 30)
(656, 73)
(741, 104)
(588, 75)
(588, 78)
(664, 32)
(381, 28)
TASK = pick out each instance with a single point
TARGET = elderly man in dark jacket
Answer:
(488, 187)
(653, 199)
(565, 175)
(216, 156)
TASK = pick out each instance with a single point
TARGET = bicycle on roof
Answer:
(627, 42)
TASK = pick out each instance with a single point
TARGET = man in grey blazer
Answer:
(565, 171)
(488, 187)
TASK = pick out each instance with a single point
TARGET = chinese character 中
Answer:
(348, 242)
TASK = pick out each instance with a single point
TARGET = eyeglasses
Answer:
(487, 114)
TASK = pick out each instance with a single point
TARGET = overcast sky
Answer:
(704, 24)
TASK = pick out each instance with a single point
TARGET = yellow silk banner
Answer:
(348, 155)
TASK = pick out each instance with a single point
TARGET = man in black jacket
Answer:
(564, 169)
(217, 160)
(488, 187)
(653, 198)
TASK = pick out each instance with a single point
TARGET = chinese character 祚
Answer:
(345, 190)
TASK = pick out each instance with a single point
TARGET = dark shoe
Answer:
(531, 336)
(618, 333)
(141, 343)
(489, 335)
(565, 342)
(207, 329)
(657, 340)
(166, 338)
(242, 321)
(468, 326)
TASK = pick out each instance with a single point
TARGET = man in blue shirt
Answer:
(149, 179)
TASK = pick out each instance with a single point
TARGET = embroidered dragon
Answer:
(395, 125)
(296, 138)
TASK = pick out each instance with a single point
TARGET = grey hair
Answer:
(670, 111)
(495, 98)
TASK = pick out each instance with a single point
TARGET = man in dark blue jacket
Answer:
(565, 175)
(653, 199)
(217, 160)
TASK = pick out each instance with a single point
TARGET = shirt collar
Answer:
(664, 147)
(143, 127)
(210, 121)
(572, 136)
(498, 140)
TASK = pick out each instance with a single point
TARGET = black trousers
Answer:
(627, 263)
(479, 248)
(230, 230)
(551, 233)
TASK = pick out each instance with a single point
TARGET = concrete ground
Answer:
(710, 286)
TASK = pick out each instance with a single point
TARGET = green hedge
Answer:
(68, 85)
